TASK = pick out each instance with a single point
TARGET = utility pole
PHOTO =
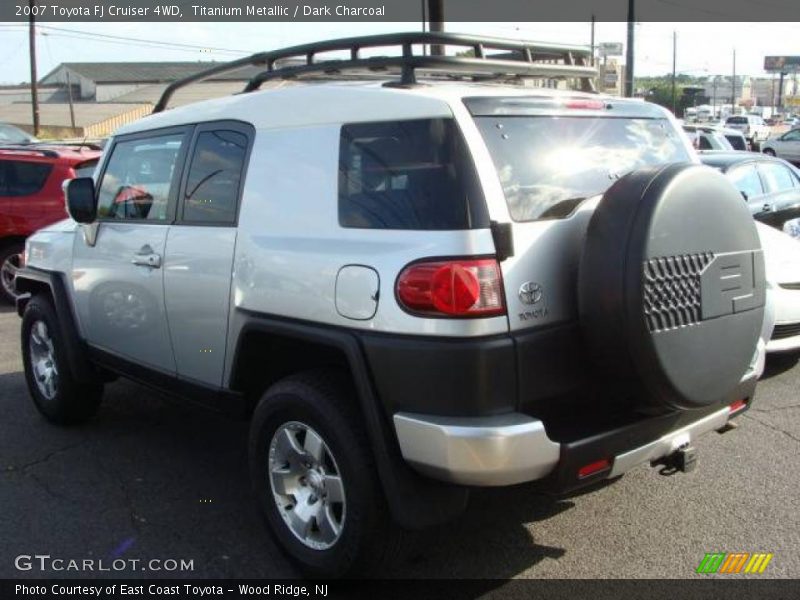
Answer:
(629, 52)
(714, 98)
(71, 107)
(436, 23)
(733, 85)
(592, 39)
(32, 50)
(674, 64)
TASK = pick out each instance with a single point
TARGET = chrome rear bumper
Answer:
(514, 448)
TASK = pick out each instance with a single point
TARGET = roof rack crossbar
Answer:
(574, 60)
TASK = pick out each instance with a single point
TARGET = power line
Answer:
(63, 31)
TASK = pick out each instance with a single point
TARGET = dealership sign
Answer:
(782, 64)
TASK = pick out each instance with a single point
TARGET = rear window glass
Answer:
(21, 178)
(548, 165)
(737, 120)
(408, 175)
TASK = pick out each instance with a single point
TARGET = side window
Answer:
(20, 178)
(777, 178)
(215, 173)
(408, 175)
(746, 180)
(704, 143)
(138, 178)
(792, 136)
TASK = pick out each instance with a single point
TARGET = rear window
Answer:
(21, 178)
(737, 120)
(408, 175)
(548, 165)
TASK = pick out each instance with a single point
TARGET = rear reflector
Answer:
(455, 288)
(594, 468)
(737, 406)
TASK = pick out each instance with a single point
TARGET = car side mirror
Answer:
(81, 204)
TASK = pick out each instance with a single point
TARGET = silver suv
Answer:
(418, 274)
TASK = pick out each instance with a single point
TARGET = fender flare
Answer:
(31, 280)
(415, 501)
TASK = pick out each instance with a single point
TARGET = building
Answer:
(92, 99)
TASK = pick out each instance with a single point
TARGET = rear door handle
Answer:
(147, 258)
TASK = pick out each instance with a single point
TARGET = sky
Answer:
(703, 48)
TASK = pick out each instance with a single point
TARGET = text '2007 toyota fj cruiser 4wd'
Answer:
(419, 285)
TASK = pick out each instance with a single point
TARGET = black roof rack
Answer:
(29, 148)
(518, 59)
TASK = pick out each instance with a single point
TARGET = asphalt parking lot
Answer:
(152, 479)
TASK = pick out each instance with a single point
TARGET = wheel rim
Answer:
(307, 485)
(8, 271)
(43, 360)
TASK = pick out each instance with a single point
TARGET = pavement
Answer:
(149, 478)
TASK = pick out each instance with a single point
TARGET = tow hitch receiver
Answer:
(683, 459)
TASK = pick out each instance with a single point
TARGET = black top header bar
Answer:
(397, 10)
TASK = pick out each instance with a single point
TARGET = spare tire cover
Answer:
(671, 285)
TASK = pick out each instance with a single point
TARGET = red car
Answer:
(31, 196)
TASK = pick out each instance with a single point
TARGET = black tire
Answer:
(323, 401)
(769, 151)
(9, 262)
(72, 402)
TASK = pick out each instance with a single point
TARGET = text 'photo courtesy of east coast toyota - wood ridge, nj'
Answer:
(394, 299)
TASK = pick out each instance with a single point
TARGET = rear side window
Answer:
(777, 178)
(137, 182)
(212, 188)
(21, 178)
(408, 175)
(746, 180)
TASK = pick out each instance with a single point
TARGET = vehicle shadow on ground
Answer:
(154, 478)
(780, 363)
(490, 541)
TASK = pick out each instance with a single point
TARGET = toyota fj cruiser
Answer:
(420, 274)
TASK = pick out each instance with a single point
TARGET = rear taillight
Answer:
(455, 288)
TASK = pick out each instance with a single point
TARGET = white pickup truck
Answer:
(752, 127)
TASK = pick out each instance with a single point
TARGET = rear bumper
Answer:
(514, 448)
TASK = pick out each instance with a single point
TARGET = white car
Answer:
(782, 259)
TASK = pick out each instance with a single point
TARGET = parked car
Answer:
(751, 126)
(31, 196)
(785, 146)
(770, 186)
(782, 259)
(707, 138)
(735, 138)
(9, 134)
(417, 289)
(710, 137)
